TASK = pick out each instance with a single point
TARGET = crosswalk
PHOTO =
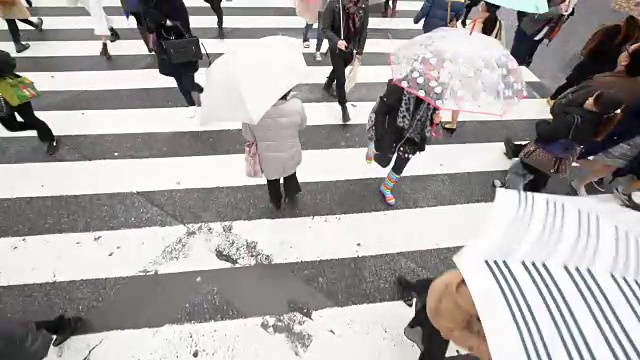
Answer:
(145, 223)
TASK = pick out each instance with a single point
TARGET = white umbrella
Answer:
(242, 85)
(556, 278)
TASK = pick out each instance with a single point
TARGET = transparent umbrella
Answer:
(457, 70)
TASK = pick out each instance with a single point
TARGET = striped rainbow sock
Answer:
(387, 186)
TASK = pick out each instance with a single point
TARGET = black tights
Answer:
(12, 26)
(187, 85)
(29, 122)
(216, 6)
(400, 163)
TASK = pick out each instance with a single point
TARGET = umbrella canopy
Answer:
(457, 70)
(556, 278)
(631, 7)
(242, 86)
(529, 6)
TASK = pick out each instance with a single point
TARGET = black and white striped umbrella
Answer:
(555, 277)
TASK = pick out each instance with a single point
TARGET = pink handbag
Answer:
(251, 160)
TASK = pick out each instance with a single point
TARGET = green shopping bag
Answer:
(18, 90)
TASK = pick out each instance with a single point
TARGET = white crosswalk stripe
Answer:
(129, 223)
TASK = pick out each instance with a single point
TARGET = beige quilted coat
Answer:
(16, 11)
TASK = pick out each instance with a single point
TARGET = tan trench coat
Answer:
(16, 11)
(308, 10)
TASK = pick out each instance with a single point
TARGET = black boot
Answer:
(220, 32)
(115, 36)
(70, 327)
(328, 88)
(404, 290)
(511, 149)
(345, 114)
(105, 51)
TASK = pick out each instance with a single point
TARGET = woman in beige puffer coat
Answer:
(17, 11)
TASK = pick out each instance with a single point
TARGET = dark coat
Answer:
(155, 14)
(331, 25)
(21, 341)
(584, 123)
(436, 13)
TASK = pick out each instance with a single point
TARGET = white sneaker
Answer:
(192, 111)
(318, 56)
(306, 44)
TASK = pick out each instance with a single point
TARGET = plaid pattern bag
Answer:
(552, 159)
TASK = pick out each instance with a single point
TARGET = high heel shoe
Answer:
(446, 126)
(105, 51)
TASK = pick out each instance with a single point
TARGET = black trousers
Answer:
(433, 344)
(12, 26)
(540, 179)
(29, 122)
(216, 6)
(339, 62)
(187, 85)
(291, 188)
(398, 165)
(524, 47)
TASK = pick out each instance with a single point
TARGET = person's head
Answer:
(629, 60)
(490, 22)
(630, 32)
(605, 102)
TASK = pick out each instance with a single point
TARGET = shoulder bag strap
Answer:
(341, 20)
(576, 121)
(449, 12)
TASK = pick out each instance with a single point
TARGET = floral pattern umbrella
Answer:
(457, 70)
(631, 7)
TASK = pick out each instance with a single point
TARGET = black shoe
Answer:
(105, 51)
(71, 326)
(328, 88)
(404, 293)
(220, 32)
(510, 148)
(39, 23)
(345, 114)
(115, 36)
(52, 147)
(22, 47)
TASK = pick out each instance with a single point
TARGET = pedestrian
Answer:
(168, 20)
(133, 8)
(277, 136)
(625, 80)
(439, 13)
(15, 10)
(533, 29)
(564, 136)
(31, 340)
(488, 23)
(101, 23)
(216, 6)
(16, 94)
(311, 12)
(344, 25)
(399, 125)
(600, 53)
(386, 12)
(445, 312)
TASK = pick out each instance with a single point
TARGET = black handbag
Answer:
(181, 50)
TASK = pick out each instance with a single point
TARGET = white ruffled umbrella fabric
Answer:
(455, 69)
(556, 277)
(241, 86)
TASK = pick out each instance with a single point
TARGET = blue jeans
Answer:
(319, 38)
(524, 47)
